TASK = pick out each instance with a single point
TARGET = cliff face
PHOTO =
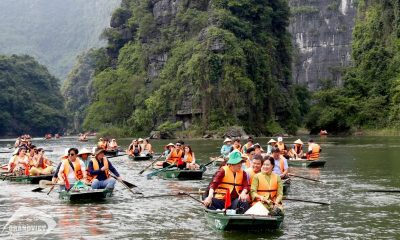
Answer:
(321, 35)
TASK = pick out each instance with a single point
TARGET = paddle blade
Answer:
(128, 184)
(39, 189)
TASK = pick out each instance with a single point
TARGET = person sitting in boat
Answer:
(71, 170)
(102, 143)
(175, 157)
(134, 148)
(82, 137)
(281, 145)
(229, 183)
(18, 164)
(280, 165)
(267, 188)
(248, 145)
(255, 167)
(236, 145)
(41, 164)
(140, 140)
(258, 149)
(147, 148)
(248, 158)
(271, 145)
(17, 142)
(189, 158)
(226, 148)
(314, 150)
(296, 152)
(112, 145)
(83, 155)
(100, 169)
(32, 151)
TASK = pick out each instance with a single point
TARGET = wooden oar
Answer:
(43, 184)
(311, 179)
(306, 201)
(51, 189)
(123, 184)
(150, 164)
(128, 184)
(158, 171)
(384, 191)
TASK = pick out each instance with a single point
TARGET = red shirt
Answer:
(218, 179)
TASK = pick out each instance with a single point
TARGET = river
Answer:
(354, 164)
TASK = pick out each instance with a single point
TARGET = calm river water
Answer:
(354, 164)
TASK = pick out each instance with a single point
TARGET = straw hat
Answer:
(272, 141)
(227, 140)
(98, 151)
(298, 141)
(84, 151)
(140, 140)
(170, 144)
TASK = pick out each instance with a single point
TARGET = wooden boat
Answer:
(91, 195)
(306, 163)
(83, 140)
(182, 174)
(140, 158)
(29, 179)
(221, 221)
(111, 153)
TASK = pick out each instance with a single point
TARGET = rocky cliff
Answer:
(321, 35)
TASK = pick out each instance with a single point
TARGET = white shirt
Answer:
(71, 173)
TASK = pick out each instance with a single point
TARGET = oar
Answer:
(123, 184)
(128, 184)
(306, 201)
(150, 164)
(384, 191)
(158, 171)
(311, 179)
(52, 187)
(44, 184)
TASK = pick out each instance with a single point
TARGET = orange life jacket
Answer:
(266, 189)
(77, 168)
(229, 182)
(175, 157)
(315, 152)
(281, 147)
(189, 157)
(90, 178)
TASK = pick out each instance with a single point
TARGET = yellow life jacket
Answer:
(266, 189)
(315, 152)
(90, 178)
(77, 168)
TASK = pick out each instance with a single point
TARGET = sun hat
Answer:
(272, 141)
(235, 157)
(298, 141)
(140, 140)
(280, 139)
(170, 144)
(98, 151)
(227, 140)
(84, 151)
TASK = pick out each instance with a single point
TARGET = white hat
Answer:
(140, 140)
(298, 141)
(272, 141)
(280, 139)
(84, 151)
(227, 140)
(170, 144)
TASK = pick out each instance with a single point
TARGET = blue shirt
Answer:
(277, 168)
(225, 150)
(101, 175)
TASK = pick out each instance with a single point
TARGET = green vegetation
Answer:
(370, 97)
(228, 59)
(30, 99)
(55, 31)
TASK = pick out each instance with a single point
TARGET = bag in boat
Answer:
(257, 209)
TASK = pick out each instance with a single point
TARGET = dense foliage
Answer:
(228, 60)
(53, 31)
(370, 97)
(30, 99)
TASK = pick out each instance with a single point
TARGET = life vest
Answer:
(175, 157)
(266, 189)
(42, 163)
(229, 182)
(90, 178)
(251, 174)
(315, 152)
(281, 147)
(189, 157)
(77, 168)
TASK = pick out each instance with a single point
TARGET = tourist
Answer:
(226, 148)
(314, 150)
(280, 166)
(100, 169)
(296, 152)
(71, 170)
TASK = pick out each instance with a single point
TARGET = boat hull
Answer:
(179, 174)
(220, 221)
(30, 179)
(307, 163)
(111, 153)
(140, 158)
(85, 195)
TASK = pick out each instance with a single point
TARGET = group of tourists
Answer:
(107, 145)
(140, 147)
(179, 155)
(251, 175)
(29, 160)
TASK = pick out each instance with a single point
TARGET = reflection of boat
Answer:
(140, 158)
(29, 179)
(111, 153)
(182, 174)
(306, 163)
(85, 195)
(221, 221)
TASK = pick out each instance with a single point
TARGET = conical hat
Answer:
(272, 141)
(84, 151)
(227, 140)
(298, 141)
(257, 209)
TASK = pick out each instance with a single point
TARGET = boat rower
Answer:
(100, 169)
